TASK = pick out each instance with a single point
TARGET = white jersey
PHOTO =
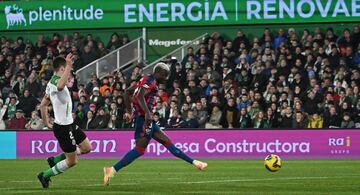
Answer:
(61, 102)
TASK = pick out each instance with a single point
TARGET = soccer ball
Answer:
(272, 162)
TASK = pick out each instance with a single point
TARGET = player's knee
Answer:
(167, 143)
(72, 162)
(86, 149)
(140, 150)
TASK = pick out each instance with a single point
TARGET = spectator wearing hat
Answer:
(96, 98)
(93, 108)
(347, 122)
(18, 122)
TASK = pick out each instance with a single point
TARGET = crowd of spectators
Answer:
(280, 79)
(26, 68)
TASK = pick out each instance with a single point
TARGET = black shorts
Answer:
(68, 136)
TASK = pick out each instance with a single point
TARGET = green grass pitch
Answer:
(176, 177)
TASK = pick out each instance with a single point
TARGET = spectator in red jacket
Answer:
(19, 121)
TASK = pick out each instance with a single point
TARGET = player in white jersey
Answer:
(72, 140)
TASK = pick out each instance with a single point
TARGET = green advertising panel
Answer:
(66, 14)
(234, 12)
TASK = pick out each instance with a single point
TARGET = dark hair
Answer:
(58, 62)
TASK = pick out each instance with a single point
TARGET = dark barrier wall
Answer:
(207, 144)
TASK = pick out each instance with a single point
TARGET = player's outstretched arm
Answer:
(65, 77)
(45, 102)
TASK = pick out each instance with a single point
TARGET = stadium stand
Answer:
(280, 79)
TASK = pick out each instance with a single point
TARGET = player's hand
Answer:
(69, 59)
(148, 118)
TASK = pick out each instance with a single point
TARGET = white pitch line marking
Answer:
(200, 182)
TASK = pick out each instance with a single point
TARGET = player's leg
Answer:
(133, 154)
(142, 140)
(162, 138)
(82, 142)
(60, 167)
(83, 147)
(139, 150)
(68, 144)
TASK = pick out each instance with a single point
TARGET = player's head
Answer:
(161, 71)
(59, 65)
